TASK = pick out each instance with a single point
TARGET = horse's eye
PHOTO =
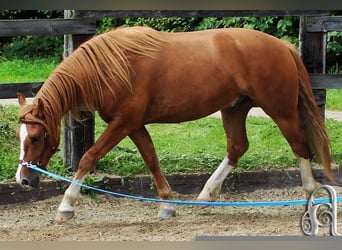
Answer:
(35, 138)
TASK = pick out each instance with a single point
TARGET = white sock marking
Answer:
(213, 185)
(70, 196)
(308, 181)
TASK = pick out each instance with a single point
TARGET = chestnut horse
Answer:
(136, 76)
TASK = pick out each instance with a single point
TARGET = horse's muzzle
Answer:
(29, 180)
(29, 183)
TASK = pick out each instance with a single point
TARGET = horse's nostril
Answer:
(25, 182)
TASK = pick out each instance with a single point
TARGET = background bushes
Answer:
(52, 46)
(30, 47)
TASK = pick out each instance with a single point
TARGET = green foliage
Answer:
(172, 24)
(335, 42)
(52, 46)
(92, 181)
(30, 14)
(27, 47)
(107, 23)
(334, 52)
(24, 47)
(334, 48)
(281, 27)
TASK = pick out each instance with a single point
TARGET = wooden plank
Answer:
(245, 181)
(313, 52)
(323, 81)
(196, 13)
(47, 27)
(324, 23)
(13, 193)
(10, 90)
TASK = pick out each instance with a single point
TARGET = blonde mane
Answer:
(100, 62)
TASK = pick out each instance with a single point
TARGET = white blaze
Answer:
(22, 136)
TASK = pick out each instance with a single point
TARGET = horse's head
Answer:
(36, 144)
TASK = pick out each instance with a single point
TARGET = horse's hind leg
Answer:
(142, 140)
(234, 120)
(296, 137)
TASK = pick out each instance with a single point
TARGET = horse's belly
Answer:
(179, 108)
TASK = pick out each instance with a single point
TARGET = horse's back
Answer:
(231, 49)
(232, 59)
(197, 73)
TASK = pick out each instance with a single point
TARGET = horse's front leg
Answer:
(113, 134)
(142, 140)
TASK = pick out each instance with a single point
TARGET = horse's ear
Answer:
(21, 99)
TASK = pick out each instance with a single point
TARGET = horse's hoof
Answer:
(201, 206)
(166, 213)
(206, 197)
(64, 216)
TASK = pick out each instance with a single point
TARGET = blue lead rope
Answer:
(190, 203)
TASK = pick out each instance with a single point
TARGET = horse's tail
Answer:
(311, 119)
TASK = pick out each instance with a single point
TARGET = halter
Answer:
(28, 164)
(46, 142)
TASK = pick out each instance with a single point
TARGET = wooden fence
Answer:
(79, 26)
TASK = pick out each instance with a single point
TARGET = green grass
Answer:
(334, 99)
(15, 71)
(9, 151)
(197, 146)
(187, 147)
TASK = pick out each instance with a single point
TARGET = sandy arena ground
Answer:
(111, 218)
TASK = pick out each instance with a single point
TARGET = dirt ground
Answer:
(111, 218)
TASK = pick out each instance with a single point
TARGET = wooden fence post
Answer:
(77, 137)
(312, 48)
